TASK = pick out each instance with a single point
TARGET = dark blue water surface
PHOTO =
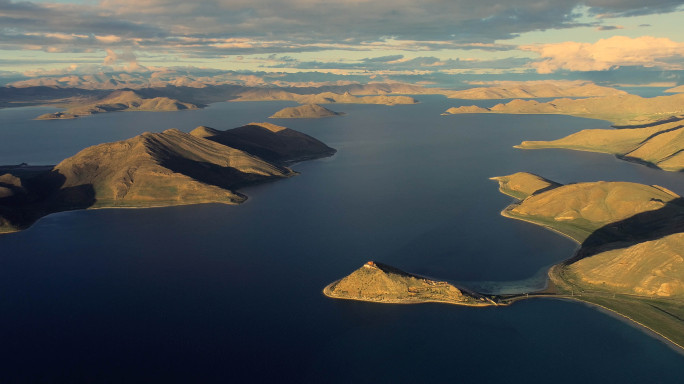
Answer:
(215, 293)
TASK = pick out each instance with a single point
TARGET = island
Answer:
(381, 283)
(307, 111)
(154, 170)
(118, 101)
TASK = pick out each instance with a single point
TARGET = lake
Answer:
(216, 293)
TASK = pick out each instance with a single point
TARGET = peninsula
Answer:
(307, 111)
(118, 101)
(629, 262)
(659, 145)
(621, 110)
(382, 283)
(535, 89)
(631, 238)
(156, 169)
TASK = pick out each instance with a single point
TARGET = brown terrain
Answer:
(621, 110)
(321, 98)
(381, 283)
(660, 144)
(535, 89)
(306, 111)
(268, 141)
(118, 101)
(154, 169)
(631, 255)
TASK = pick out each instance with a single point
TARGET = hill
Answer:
(268, 141)
(678, 89)
(585, 211)
(535, 89)
(307, 111)
(630, 259)
(381, 283)
(119, 101)
(621, 110)
(267, 94)
(660, 144)
(151, 170)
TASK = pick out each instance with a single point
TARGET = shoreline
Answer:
(644, 328)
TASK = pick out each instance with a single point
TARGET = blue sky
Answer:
(357, 37)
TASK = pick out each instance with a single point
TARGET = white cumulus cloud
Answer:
(605, 54)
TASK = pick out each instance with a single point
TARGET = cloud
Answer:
(609, 27)
(605, 54)
(114, 58)
(397, 64)
(232, 27)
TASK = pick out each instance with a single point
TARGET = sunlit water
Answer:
(215, 293)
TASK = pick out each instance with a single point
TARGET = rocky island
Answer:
(382, 283)
(156, 169)
(307, 111)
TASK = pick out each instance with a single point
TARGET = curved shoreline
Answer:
(678, 348)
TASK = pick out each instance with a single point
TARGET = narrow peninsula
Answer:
(117, 101)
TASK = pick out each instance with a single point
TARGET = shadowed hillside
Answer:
(268, 141)
(154, 169)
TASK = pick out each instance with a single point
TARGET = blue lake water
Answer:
(215, 293)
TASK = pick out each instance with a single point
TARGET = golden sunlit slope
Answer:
(523, 184)
(660, 144)
(168, 168)
(119, 101)
(268, 141)
(578, 210)
(619, 109)
(384, 284)
(650, 268)
(630, 259)
(307, 111)
(678, 89)
(535, 89)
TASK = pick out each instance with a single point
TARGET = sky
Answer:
(621, 40)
